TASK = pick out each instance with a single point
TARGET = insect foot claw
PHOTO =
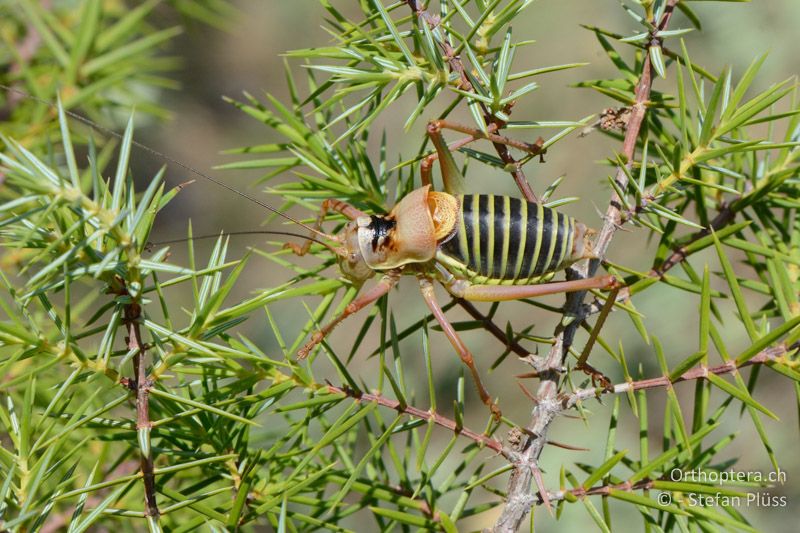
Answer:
(303, 352)
(497, 414)
(295, 248)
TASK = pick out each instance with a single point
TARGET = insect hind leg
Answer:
(452, 178)
(500, 293)
(429, 296)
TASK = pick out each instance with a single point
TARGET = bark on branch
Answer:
(432, 416)
(141, 385)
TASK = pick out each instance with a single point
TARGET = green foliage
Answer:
(100, 57)
(121, 408)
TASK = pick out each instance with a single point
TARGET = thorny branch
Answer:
(767, 356)
(430, 415)
(141, 385)
(565, 402)
(518, 492)
(457, 66)
(581, 492)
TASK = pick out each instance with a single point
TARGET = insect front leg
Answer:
(383, 286)
(426, 286)
(330, 204)
(500, 293)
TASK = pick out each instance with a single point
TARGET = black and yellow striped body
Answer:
(505, 240)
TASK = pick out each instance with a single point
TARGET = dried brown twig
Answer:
(724, 217)
(492, 328)
(580, 492)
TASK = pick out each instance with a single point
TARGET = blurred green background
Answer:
(248, 59)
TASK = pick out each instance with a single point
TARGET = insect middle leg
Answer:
(426, 286)
(385, 284)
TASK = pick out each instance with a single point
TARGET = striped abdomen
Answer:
(502, 239)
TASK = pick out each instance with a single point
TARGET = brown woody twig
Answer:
(602, 490)
(725, 216)
(429, 415)
(769, 355)
(141, 385)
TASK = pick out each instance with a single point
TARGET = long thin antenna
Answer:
(153, 151)
(248, 232)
